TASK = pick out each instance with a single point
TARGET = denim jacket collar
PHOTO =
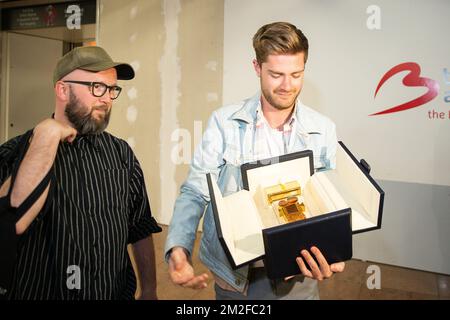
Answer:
(248, 111)
(248, 114)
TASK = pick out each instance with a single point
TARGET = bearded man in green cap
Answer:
(73, 196)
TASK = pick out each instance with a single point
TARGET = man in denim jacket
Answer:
(272, 123)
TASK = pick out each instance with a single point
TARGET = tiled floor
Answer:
(396, 282)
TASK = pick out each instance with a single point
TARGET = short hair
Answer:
(279, 38)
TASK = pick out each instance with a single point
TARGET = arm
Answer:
(141, 225)
(35, 165)
(190, 206)
(144, 255)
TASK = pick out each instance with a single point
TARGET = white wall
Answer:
(176, 85)
(407, 150)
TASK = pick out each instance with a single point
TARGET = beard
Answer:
(277, 102)
(82, 119)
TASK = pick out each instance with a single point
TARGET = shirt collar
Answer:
(92, 139)
(261, 120)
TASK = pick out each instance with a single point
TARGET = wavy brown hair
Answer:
(279, 38)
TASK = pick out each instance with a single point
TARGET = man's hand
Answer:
(62, 131)
(182, 273)
(321, 271)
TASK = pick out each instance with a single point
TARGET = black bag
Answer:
(9, 217)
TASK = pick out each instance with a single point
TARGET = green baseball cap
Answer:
(93, 59)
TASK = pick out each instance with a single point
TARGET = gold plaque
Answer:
(282, 191)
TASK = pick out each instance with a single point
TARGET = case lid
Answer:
(238, 225)
(360, 191)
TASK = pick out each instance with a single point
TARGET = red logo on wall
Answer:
(412, 79)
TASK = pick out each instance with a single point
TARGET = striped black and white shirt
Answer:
(77, 246)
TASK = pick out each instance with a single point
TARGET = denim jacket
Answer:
(227, 143)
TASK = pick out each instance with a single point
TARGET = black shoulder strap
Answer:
(18, 148)
(20, 152)
(38, 191)
(34, 196)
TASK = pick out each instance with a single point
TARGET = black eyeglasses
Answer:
(98, 89)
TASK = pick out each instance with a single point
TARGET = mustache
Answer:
(285, 91)
(102, 107)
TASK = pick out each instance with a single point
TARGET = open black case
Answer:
(339, 202)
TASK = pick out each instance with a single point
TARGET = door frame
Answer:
(4, 87)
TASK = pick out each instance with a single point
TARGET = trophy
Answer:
(286, 200)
